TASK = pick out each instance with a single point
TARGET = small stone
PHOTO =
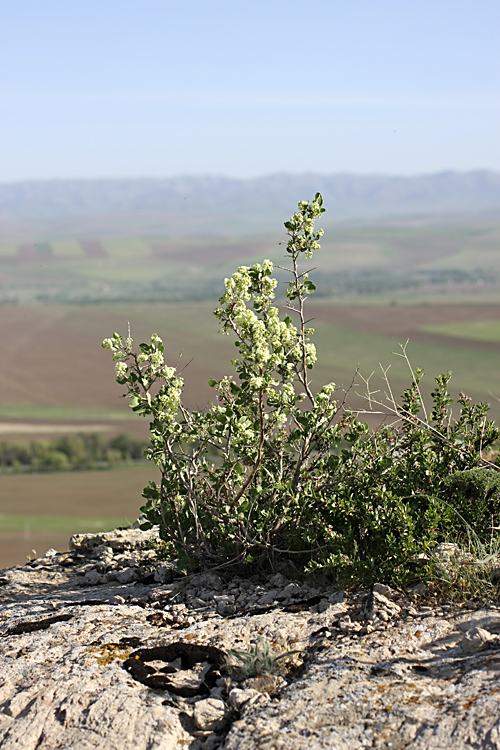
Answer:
(103, 552)
(346, 624)
(366, 629)
(268, 598)
(210, 714)
(93, 577)
(197, 603)
(67, 560)
(270, 684)
(475, 640)
(164, 574)
(225, 604)
(418, 590)
(51, 552)
(293, 589)
(377, 607)
(128, 575)
(209, 580)
(282, 596)
(445, 551)
(337, 597)
(278, 581)
(238, 697)
(381, 588)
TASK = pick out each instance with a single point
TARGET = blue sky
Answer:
(115, 88)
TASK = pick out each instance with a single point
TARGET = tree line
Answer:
(70, 452)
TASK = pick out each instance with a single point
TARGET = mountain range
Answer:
(212, 204)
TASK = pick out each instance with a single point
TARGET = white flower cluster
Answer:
(244, 436)
(256, 382)
(237, 286)
(311, 356)
(114, 342)
(169, 400)
(323, 396)
(166, 403)
(240, 286)
(287, 393)
(302, 223)
(269, 343)
(116, 345)
(280, 419)
(121, 370)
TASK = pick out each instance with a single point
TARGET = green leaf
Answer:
(212, 382)
(310, 286)
(150, 492)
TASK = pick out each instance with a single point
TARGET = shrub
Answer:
(273, 470)
(474, 496)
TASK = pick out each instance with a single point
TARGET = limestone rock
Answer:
(95, 662)
(238, 697)
(475, 640)
(211, 714)
(119, 539)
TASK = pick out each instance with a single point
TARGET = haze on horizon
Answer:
(159, 88)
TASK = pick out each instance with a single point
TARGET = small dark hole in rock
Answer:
(189, 654)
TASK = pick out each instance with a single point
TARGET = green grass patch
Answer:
(67, 249)
(114, 272)
(340, 349)
(62, 413)
(63, 524)
(125, 247)
(478, 330)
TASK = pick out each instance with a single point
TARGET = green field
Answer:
(39, 511)
(480, 330)
(60, 524)
(412, 257)
(57, 413)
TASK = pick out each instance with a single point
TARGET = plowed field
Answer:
(54, 370)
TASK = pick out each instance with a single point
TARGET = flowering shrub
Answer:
(274, 470)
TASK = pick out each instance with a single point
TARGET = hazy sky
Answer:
(114, 88)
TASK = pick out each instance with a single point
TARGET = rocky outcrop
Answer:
(104, 647)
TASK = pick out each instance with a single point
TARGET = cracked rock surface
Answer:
(104, 647)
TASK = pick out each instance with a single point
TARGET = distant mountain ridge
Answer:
(259, 202)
